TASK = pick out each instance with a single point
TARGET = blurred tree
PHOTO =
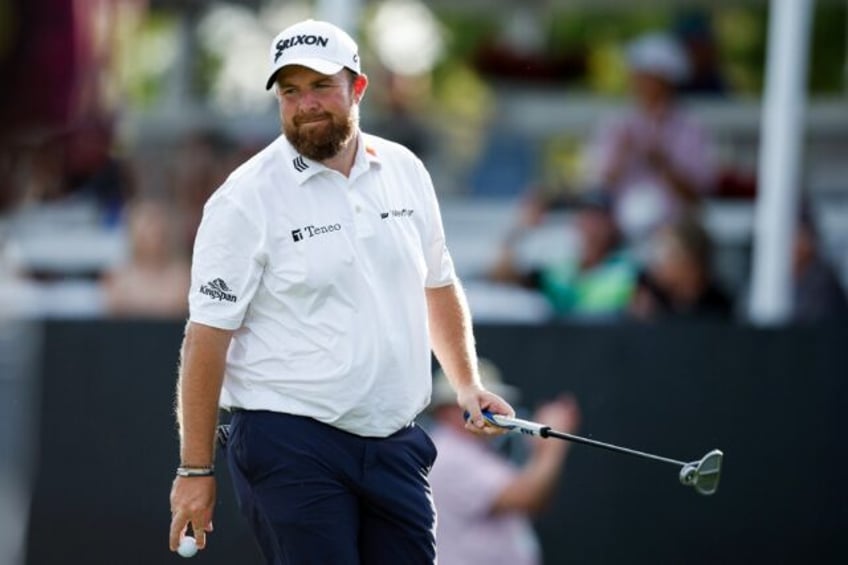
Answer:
(741, 32)
(829, 48)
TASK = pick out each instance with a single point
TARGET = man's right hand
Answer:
(473, 399)
(192, 502)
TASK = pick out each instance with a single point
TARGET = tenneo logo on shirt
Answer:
(312, 231)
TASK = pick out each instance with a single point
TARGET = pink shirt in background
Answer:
(641, 195)
(466, 479)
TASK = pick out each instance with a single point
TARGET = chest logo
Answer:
(312, 231)
(402, 213)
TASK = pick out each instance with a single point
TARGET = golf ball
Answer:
(188, 547)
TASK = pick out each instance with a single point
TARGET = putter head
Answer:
(703, 474)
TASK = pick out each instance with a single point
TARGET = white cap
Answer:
(658, 54)
(321, 46)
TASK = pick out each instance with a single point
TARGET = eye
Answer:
(288, 91)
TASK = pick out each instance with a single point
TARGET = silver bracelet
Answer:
(195, 471)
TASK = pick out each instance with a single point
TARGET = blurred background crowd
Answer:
(596, 161)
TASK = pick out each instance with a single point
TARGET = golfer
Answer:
(320, 284)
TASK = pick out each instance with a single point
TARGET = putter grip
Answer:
(517, 425)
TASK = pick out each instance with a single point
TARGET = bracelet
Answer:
(195, 471)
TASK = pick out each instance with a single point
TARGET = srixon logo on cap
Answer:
(284, 44)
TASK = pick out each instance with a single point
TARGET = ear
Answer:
(360, 84)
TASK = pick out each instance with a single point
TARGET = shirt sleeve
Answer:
(227, 265)
(440, 269)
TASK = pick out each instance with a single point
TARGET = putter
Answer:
(702, 474)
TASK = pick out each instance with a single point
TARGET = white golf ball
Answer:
(188, 547)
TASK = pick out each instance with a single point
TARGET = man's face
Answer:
(319, 113)
(651, 90)
(597, 229)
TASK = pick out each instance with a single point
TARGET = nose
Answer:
(308, 102)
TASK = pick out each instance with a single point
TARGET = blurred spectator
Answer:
(694, 30)
(596, 282)
(202, 162)
(654, 159)
(678, 281)
(401, 115)
(94, 171)
(77, 165)
(155, 281)
(485, 502)
(817, 294)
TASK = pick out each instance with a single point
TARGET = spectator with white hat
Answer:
(655, 159)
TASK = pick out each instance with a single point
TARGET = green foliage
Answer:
(208, 66)
(600, 33)
(466, 33)
(741, 34)
(828, 48)
(150, 52)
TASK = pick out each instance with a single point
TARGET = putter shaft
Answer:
(534, 428)
(548, 432)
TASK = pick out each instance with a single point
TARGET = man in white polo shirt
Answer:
(320, 283)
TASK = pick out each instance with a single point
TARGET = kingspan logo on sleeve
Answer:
(312, 231)
(218, 290)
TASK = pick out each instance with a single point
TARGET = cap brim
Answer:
(317, 65)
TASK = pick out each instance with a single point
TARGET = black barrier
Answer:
(774, 401)
(109, 449)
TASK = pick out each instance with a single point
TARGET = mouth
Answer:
(312, 120)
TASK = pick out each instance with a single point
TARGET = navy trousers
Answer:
(315, 494)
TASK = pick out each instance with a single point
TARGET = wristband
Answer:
(195, 471)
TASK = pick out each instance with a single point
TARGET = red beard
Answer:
(320, 140)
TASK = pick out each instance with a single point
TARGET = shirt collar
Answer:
(366, 156)
(303, 168)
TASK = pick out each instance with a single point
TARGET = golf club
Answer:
(702, 474)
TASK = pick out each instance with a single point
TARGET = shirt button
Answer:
(358, 209)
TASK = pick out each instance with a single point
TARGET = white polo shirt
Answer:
(323, 279)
